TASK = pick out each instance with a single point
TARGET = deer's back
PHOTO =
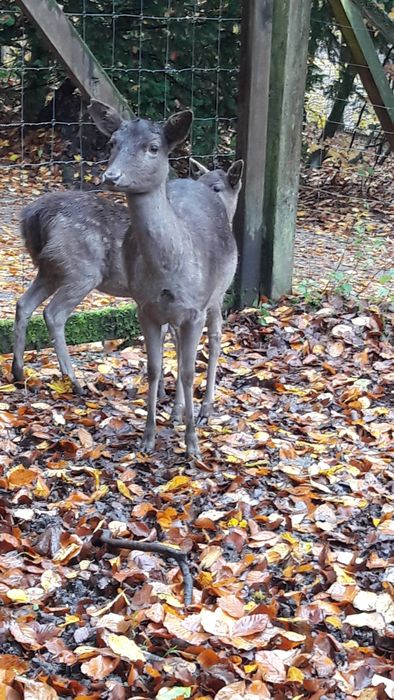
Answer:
(70, 232)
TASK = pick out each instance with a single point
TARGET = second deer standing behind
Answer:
(187, 252)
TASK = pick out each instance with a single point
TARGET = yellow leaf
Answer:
(176, 483)
(62, 386)
(289, 538)
(277, 553)
(85, 652)
(351, 644)
(18, 595)
(100, 493)
(95, 473)
(125, 647)
(64, 554)
(295, 675)
(7, 388)
(70, 620)
(250, 668)
(105, 368)
(342, 576)
(41, 490)
(334, 621)
(166, 517)
(205, 579)
(124, 490)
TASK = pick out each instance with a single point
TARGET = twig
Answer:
(166, 551)
(367, 284)
(336, 268)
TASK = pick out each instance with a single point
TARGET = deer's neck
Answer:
(157, 229)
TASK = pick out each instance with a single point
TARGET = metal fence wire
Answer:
(162, 55)
(345, 214)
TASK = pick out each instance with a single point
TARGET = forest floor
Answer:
(286, 523)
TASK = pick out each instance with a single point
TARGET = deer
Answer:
(82, 241)
(187, 254)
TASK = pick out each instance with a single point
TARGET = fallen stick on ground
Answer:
(166, 551)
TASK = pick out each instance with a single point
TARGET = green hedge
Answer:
(85, 327)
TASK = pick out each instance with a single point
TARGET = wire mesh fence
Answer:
(346, 211)
(163, 55)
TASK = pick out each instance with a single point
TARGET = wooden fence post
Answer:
(68, 46)
(368, 65)
(256, 31)
(290, 34)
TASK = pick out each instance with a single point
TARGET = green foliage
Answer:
(310, 291)
(265, 311)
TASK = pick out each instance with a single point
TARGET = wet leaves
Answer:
(287, 522)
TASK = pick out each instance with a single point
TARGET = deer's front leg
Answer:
(153, 335)
(189, 336)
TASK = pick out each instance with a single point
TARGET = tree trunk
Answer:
(335, 117)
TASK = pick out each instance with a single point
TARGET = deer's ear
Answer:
(177, 128)
(234, 173)
(105, 117)
(197, 169)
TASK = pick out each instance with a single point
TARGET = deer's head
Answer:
(139, 147)
(227, 184)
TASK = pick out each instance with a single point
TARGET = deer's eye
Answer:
(153, 148)
(217, 188)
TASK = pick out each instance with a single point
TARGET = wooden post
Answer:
(70, 49)
(290, 33)
(378, 17)
(256, 31)
(357, 37)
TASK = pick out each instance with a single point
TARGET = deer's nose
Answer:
(111, 177)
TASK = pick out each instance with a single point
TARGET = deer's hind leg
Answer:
(214, 323)
(60, 307)
(40, 289)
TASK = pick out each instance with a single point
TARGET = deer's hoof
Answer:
(147, 444)
(17, 373)
(78, 389)
(206, 410)
(192, 448)
(177, 414)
